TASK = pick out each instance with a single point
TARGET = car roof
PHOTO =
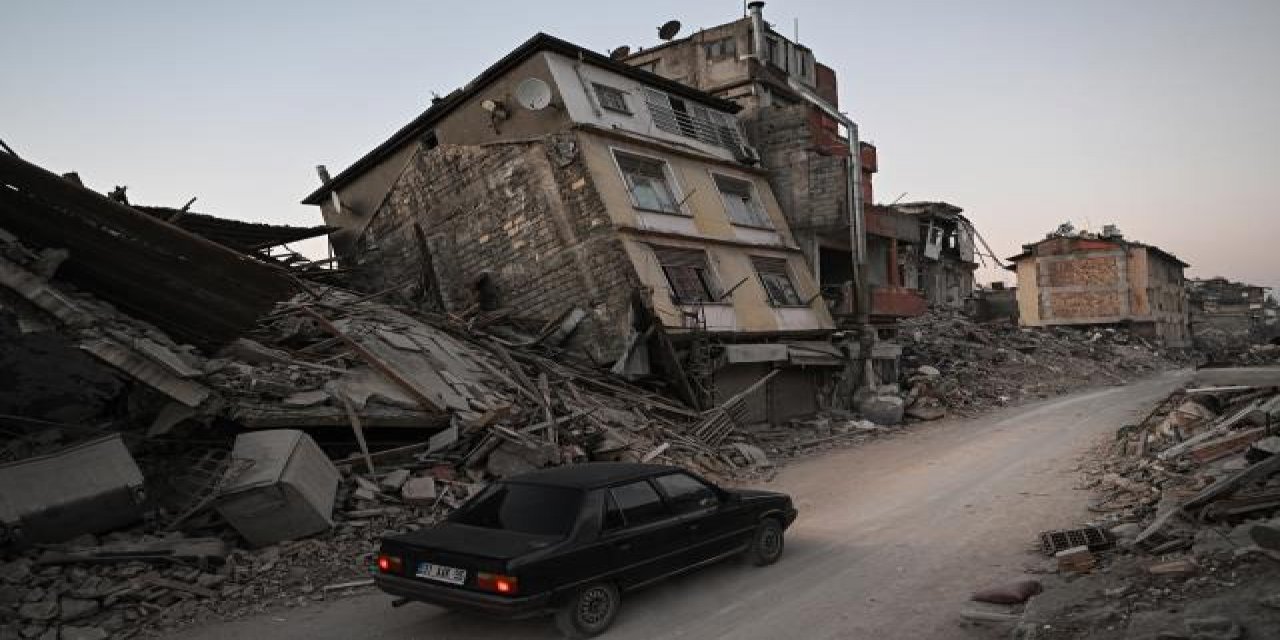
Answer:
(591, 475)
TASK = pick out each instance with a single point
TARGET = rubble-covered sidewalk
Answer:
(1186, 539)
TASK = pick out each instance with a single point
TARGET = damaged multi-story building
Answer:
(874, 263)
(618, 207)
(1087, 279)
(1224, 311)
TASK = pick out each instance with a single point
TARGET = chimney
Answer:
(757, 30)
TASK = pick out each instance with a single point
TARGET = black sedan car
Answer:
(568, 540)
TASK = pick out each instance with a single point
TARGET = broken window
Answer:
(648, 183)
(741, 202)
(688, 275)
(722, 48)
(776, 280)
(611, 98)
(684, 118)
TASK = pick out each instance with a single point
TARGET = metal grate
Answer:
(1052, 542)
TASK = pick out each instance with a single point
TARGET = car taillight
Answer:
(505, 585)
(389, 564)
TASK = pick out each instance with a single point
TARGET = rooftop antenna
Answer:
(669, 29)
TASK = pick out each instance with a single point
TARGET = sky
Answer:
(1159, 116)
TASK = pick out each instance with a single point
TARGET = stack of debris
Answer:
(251, 435)
(953, 362)
(1189, 518)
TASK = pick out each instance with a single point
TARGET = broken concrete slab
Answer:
(286, 493)
(419, 491)
(146, 371)
(91, 487)
(394, 480)
(886, 410)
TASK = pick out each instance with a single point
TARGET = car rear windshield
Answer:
(524, 508)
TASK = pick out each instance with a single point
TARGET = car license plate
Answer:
(442, 573)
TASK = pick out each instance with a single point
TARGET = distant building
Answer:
(581, 192)
(1072, 278)
(1226, 311)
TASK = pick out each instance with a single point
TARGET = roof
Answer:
(591, 475)
(1026, 248)
(247, 237)
(538, 43)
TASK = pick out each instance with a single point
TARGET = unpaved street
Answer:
(891, 539)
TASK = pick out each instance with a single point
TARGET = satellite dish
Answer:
(620, 52)
(669, 30)
(533, 94)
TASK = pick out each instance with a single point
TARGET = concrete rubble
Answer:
(1186, 542)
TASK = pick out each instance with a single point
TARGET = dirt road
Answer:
(891, 539)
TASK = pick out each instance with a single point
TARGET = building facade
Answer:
(1086, 279)
(576, 190)
(1227, 314)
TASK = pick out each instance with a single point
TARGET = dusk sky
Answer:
(1159, 116)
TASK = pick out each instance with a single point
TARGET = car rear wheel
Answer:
(767, 545)
(589, 612)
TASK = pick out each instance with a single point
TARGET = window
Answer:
(688, 275)
(648, 183)
(651, 67)
(741, 202)
(612, 514)
(777, 282)
(522, 508)
(639, 503)
(684, 118)
(611, 98)
(722, 48)
(687, 494)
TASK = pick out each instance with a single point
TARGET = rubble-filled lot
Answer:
(971, 366)
(1186, 542)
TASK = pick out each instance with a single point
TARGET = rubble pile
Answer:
(1188, 504)
(951, 361)
(398, 417)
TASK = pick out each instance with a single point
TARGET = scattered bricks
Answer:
(1051, 542)
(1213, 628)
(392, 481)
(15, 572)
(1175, 568)
(77, 608)
(419, 491)
(83, 633)
(42, 611)
(1075, 560)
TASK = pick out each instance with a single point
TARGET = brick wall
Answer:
(808, 181)
(526, 213)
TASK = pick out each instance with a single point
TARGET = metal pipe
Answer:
(757, 29)
(853, 195)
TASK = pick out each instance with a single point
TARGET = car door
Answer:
(712, 526)
(643, 537)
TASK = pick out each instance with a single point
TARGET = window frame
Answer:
(786, 273)
(710, 281)
(765, 220)
(673, 185)
(601, 90)
(671, 501)
(667, 514)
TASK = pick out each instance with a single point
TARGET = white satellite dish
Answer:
(533, 94)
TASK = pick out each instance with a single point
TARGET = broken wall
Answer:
(526, 214)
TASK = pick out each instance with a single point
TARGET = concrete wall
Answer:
(705, 224)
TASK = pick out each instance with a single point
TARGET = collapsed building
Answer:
(1227, 314)
(875, 263)
(1083, 279)
(616, 205)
